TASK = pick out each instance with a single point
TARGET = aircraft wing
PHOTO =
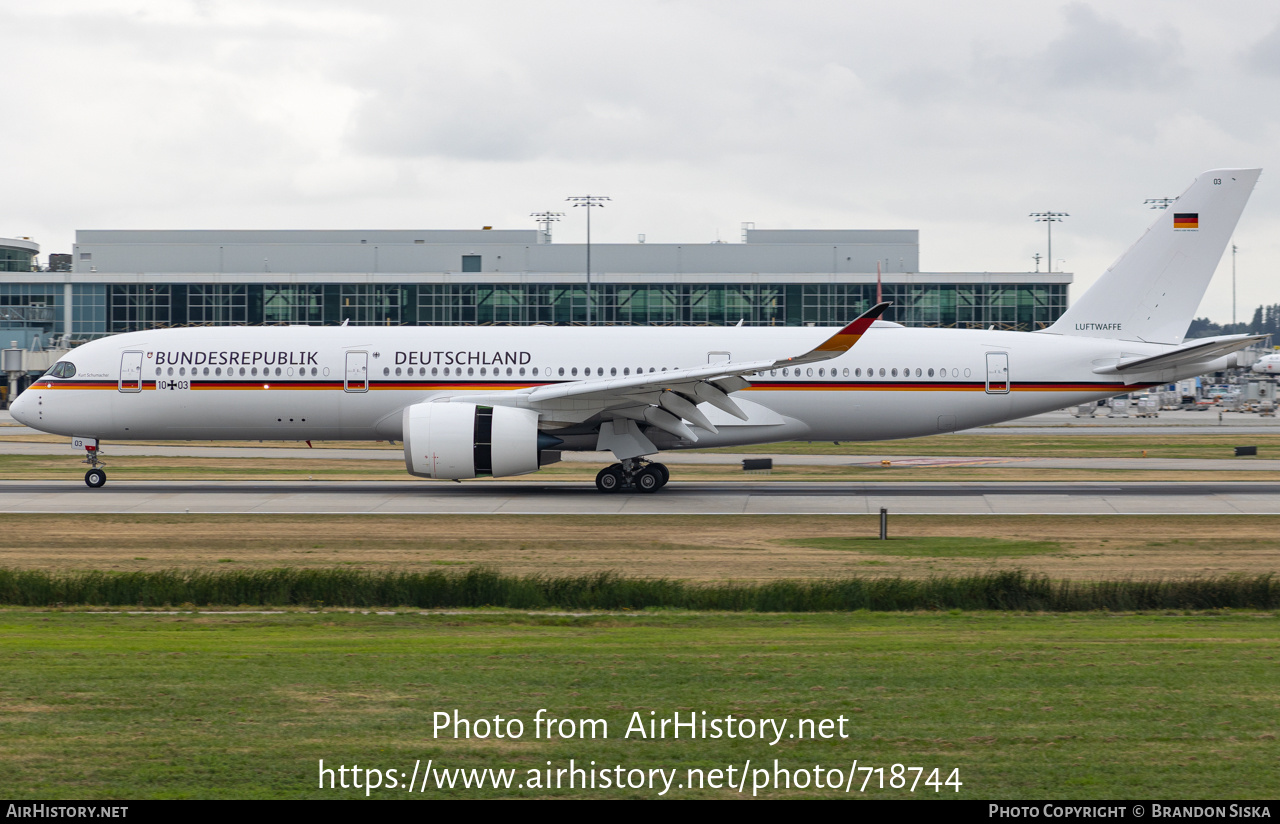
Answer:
(667, 399)
(1196, 351)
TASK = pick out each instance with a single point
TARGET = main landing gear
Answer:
(645, 476)
(96, 476)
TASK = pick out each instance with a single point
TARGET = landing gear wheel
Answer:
(610, 479)
(95, 478)
(648, 479)
(666, 473)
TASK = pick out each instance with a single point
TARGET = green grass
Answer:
(1026, 706)
(932, 547)
(478, 586)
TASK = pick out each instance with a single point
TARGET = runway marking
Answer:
(943, 461)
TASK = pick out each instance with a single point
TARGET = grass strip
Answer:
(478, 587)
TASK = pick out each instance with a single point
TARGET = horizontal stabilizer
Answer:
(1197, 351)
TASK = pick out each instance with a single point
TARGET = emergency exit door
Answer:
(357, 379)
(997, 373)
(130, 372)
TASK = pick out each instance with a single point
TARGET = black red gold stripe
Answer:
(497, 386)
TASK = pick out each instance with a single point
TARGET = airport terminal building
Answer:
(122, 281)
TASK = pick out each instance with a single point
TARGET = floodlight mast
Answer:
(1049, 218)
(588, 201)
(545, 219)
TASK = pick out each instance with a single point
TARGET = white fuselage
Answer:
(300, 383)
(1268, 365)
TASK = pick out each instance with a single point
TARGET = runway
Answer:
(674, 458)
(678, 498)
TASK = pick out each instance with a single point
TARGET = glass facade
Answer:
(1006, 306)
(16, 260)
(111, 308)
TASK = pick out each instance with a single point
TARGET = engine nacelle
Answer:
(453, 441)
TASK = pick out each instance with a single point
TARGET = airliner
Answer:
(471, 402)
(1268, 365)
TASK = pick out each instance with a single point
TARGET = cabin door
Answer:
(997, 373)
(130, 372)
(357, 379)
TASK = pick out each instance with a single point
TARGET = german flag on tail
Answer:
(1186, 220)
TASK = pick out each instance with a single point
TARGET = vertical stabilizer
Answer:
(1152, 292)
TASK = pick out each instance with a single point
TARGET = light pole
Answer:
(588, 201)
(545, 219)
(1050, 218)
(1233, 284)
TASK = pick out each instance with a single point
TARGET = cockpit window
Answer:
(62, 369)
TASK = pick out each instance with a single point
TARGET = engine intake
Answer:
(454, 441)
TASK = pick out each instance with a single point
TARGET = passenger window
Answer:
(386, 370)
(218, 371)
(882, 371)
(574, 371)
(846, 371)
(242, 371)
(206, 370)
(434, 372)
(277, 371)
(857, 373)
(446, 371)
(535, 371)
(509, 371)
(253, 371)
(626, 370)
(931, 371)
(917, 371)
(784, 372)
(562, 371)
(894, 372)
(471, 371)
(482, 372)
(522, 371)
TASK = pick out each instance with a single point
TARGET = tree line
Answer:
(1266, 321)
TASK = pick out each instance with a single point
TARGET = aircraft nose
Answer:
(22, 409)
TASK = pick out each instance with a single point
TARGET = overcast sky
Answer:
(954, 118)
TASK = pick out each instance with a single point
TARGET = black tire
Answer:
(95, 478)
(610, 479)
(666, 473)
(648, 480)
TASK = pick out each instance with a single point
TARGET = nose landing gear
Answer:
(96, 476)
(643, 476)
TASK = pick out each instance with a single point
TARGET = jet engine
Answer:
(453, 441)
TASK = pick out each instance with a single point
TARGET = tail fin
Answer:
(1152, 292)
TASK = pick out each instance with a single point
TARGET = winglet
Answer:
(843, 341)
